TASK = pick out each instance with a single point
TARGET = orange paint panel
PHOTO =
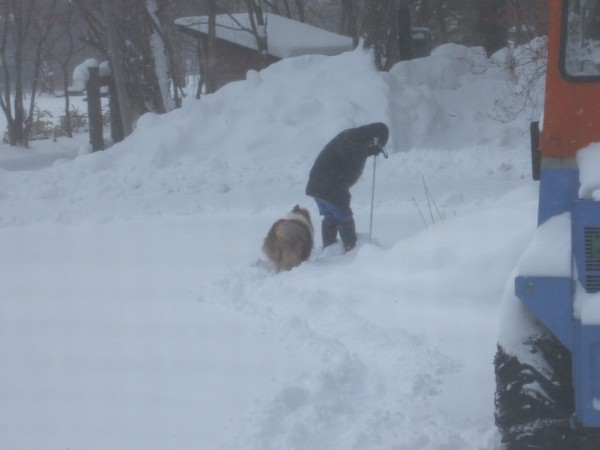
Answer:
(572, 109)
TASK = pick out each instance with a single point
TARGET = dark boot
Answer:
(348, 234)
(328, 232)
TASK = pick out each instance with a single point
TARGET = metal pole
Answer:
(372, 199)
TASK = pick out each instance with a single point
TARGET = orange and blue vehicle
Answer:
(548, 359)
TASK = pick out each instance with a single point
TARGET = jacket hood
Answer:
(376, 129)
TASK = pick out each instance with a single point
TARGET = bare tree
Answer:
(210, 57)
(39, 33)
(116, 63)
(492, 24)
(526, 20)
(64, 48)
(381, 29)
(166, 13)
(434, 15)
(207, 47)
(349, 20)
(26, 25)
(259, 29)
(130, 33)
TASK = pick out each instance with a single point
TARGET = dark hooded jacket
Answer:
(342, 161)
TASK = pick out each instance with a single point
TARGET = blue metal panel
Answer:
(586, 375)
(558, 189)
(586, 355)
(550, 299)
(586, 243)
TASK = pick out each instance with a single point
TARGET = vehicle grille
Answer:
(592, 258)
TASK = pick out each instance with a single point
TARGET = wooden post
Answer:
(95, 110)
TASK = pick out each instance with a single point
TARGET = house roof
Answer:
(285, 37)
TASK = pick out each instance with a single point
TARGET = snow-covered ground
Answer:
(138, 312)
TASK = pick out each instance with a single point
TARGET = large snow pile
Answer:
(138, 311)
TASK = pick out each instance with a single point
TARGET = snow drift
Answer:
(138, 311)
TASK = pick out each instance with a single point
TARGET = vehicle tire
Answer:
(533, 405)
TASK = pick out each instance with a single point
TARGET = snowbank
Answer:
(139, 312)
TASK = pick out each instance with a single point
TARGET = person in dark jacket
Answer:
(337, 167)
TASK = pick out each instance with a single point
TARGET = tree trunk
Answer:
(17, 137)
(349, 21)
(300, 9)
(386, 27)
(68, 124)
(161, 53)
(404, 34)
(95, 110)
(116, 124)
(492, 24)
(259, 28)
(116, 68)
(210, 53)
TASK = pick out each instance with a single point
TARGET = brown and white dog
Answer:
(290, 240)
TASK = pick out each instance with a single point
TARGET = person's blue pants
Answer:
(334, 213)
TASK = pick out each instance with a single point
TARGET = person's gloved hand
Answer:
(376, 149)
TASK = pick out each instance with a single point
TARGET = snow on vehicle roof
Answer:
(286, 38)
